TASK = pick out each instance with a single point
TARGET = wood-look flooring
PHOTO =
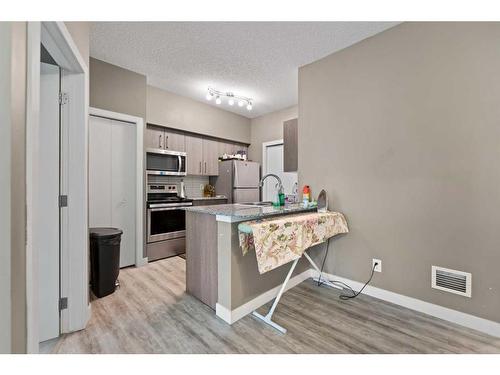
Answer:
(151, 313)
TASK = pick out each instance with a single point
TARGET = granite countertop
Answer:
(234, 213)
(208, 198)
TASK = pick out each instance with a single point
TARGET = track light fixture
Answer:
(242, 100)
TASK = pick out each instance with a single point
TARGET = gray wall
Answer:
(5, 120)
(268, 128)
(117, 89)
(80, 32)
(403, 132)
(168, 109)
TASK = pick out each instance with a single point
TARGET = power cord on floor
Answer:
(343, 297)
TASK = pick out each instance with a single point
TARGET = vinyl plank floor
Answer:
(151, 313)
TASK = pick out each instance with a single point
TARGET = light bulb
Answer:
(218, 100)
(230, 101)
(240, 103)
(249, 106)
(209, 96)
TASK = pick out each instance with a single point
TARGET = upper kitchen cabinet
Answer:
(202, 156)
(210, 157)
(194, 151)
(165, 139)
(290, 145)
(154, 137)
(231, 148)
(174, 141)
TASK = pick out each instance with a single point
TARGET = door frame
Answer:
(73, 254)
(265, 146)
(140, 260)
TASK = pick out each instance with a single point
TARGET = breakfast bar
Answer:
(218, 272)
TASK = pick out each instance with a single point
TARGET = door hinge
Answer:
(63, 98)
(63, 201)
(63, 303)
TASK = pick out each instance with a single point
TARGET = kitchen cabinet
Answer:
(210, 157)
(165, 139)
(194, 151)
(202, 152)
(224, 148)
(290, 145)
(174, 141)
(153, 137)
(202, 156)
(231, 148)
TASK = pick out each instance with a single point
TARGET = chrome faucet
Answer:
(280, 185)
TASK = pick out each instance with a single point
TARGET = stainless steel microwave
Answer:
(165, 162)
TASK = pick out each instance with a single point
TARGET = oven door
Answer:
(165, 162)
(166, 223)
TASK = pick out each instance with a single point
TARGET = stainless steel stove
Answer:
(166, 221)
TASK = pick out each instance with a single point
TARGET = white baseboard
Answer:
(454, 316)
(231, 316)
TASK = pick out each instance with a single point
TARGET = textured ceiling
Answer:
(254, 59)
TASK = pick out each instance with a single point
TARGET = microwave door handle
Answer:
(180, 163)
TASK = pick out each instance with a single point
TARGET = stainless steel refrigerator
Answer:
(239, 181)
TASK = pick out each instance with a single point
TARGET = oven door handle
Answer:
(168, 208)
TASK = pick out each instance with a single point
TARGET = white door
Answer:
(112, 181)
(274, 164)
(46, 213)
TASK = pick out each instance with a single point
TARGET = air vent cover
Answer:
(452, 281)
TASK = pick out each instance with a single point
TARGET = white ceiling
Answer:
(254, 59)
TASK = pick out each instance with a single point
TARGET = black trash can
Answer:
(104, 259)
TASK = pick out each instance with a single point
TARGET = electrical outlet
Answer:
(202, 187)
(378, 267)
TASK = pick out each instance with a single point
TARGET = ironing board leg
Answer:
(267, 318)
(322, 281)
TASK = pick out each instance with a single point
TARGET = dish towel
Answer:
(282, 240)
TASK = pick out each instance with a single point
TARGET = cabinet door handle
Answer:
(200, 167)
(205, 167)
(159, 141)
(166, 141)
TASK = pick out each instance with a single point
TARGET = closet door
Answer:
(112, 181)
(99, 172)
(123, 187)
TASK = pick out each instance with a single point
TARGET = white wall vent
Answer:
(452, 281)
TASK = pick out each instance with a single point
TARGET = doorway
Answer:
(57, 299)
(272, 162)
(116, 180)
(112, 181)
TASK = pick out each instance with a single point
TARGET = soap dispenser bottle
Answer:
(182, 193)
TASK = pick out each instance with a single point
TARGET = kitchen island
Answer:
(217, 272)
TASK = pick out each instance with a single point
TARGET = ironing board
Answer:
(302, 224)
